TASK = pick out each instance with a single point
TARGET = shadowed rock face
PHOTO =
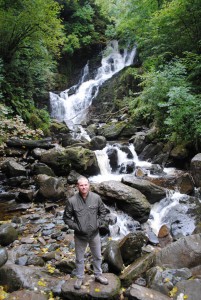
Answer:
(130, 200)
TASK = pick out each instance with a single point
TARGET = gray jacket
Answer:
(83, 215)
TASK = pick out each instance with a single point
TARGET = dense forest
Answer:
(38, 38)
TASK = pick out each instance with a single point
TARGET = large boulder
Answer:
(137, 292)
(131, 246)
(153, 192)
(150, 151)
(91, 289)
(128, 199)
(13, 168)
(62, 160)
(49, 187)
(97, 143)
(137, 268)
(8, 234)
(196, 169)
(112, 256)
(111, 131)
(186, 252)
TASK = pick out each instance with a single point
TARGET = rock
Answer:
(112, 255)
(127, 167)
(139, 141)
(130, 200)
(8, 234)
(62, 160)
(17, 277)
(152, 192)
(49, 187)
(57, 127)
(189, 288)
(137, 292)
(164, 236)
(130, 246)
(113, 158)
(6, 196)
(163, 280)
(73, 177)
(137, 268)
(30, 144)
(184, 253)
(66, 266)
(37, 152)
(26, 295)
(91, 289)
(150, 151)
(97, 143)
(40, 168)
(14, 169)
(25, 196)
(91, 130)
(3, 256)
(125, 148)
(112, 131)
(196, 169)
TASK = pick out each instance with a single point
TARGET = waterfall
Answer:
(73, 108)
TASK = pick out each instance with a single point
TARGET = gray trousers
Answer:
(80, 248)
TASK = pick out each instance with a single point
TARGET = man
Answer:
(82, 214)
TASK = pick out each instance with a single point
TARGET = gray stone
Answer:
(8, 234)
(137, 292)
(3, 256)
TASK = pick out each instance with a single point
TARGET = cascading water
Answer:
(73, 108)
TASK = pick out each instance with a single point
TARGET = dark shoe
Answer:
(78, 284)
(101, 279)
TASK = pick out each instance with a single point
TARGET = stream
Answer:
(72, 108)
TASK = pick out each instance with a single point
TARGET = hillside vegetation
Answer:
(41, 41)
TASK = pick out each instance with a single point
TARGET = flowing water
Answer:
(72, 106)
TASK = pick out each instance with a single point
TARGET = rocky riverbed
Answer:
(37, 248)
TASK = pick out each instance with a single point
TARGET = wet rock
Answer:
(113, 158)
(152, 237)
(112, 255)
(19, 181)
(131, 245)
(35, 261)
(91, 289)
(8, 234)
(22, 261)
(152, 192)
(126, 149)
(127, 167)
(130, 200)
(3, 256)
(137, 268)
(136, 292)
(97, 143)
(37, 152)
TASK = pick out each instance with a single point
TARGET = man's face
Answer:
(83, 187)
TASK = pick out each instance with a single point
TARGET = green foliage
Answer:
(167, 100)
(84, 25)
(14, 126)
